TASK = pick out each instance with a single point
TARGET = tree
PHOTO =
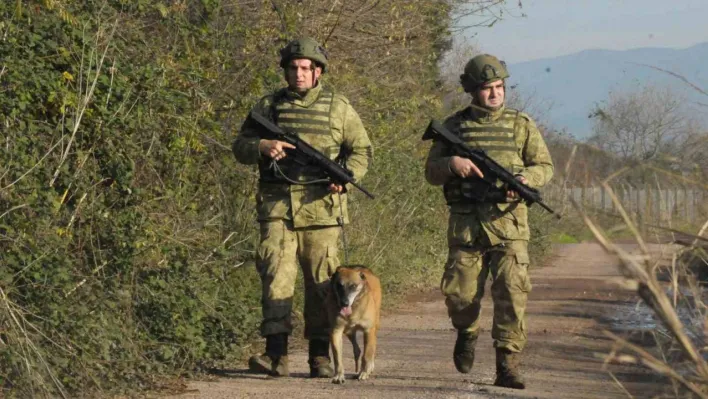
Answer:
(652, 126)
(640, 125)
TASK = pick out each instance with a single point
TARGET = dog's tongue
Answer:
(346, 311)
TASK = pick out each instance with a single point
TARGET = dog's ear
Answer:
(362, 275)
(333, 278)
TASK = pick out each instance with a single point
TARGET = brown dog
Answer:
(354, 304)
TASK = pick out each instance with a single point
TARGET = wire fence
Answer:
(650, 204)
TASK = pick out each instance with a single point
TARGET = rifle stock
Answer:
(437, 131)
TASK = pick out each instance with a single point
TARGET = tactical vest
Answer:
(499, 140)
(311, 124)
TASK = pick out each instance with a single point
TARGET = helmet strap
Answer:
(313, 68)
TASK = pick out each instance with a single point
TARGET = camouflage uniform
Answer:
(299, 217)
(299, 222)
(488, 237)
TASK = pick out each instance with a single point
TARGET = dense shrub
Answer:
(127, 230)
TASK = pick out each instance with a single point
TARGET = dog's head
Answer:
(347, 284)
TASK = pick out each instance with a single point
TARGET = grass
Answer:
(564, 238)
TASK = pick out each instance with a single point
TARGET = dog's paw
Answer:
(338, 379)
(364, 375)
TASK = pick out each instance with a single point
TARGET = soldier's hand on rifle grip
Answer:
(464, 167)
(336, 188)
(273, 148)
(512, 195)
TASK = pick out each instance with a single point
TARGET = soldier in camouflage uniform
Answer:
(299, 222)
(488, 230)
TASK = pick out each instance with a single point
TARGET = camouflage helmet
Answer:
(305, 47)
(482, 69)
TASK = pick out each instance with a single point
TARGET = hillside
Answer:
(574, 83)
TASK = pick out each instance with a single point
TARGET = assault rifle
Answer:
(308, 155)
(490, 168)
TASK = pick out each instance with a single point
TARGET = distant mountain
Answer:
(574, 83)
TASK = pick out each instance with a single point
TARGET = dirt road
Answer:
(572, 302)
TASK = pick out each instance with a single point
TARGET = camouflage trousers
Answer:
(282, 248)
(466, 272)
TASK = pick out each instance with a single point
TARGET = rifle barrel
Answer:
(363, 190)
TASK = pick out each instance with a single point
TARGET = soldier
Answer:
(488, 228)
(300, 222)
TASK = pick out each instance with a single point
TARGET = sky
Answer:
(558, 27)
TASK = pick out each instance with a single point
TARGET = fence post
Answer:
(658, 205)
(647, 204)
(582, 195)
(593, 204)
(664, 202)
(672, 204)
(637, 200)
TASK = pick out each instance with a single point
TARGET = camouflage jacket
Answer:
(512, 139)
(337, 126)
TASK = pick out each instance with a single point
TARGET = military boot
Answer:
(463, 355)
(508, 373)
(274, 361)
(319, 359)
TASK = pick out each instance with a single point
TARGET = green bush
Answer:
(127, 229)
